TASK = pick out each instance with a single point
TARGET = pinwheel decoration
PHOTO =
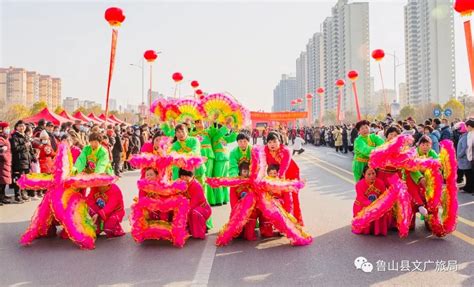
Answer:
(63, 202)
(260, 196)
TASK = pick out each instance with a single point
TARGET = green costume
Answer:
(221, 137)
(237, 156)
(363, 146)
(189, 146)
(93, 161)
(167, 129)
(208, 153)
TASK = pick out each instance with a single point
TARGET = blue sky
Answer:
(239, 47)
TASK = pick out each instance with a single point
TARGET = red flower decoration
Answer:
(114, 16)
(320, 91)
(309, 96)
(199, 92)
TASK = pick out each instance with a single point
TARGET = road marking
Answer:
(456, 233)
(330, 164)
(203, 272)
(338, 155)
(467, 203)
(330, 171)
(466, 221)
(463, 237)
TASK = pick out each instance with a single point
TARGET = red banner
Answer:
(111, 70)
(278, 116)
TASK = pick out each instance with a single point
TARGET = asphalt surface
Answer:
(327, 208)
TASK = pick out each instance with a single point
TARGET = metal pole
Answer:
(143, 81)
(395, 76)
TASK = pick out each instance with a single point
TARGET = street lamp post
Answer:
(142, 67)
(396, 64)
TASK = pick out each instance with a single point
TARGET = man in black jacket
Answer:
(22, 155)
(117, 150)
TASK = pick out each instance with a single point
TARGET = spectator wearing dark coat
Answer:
(22, 156)
(117, 150)
(5, 161)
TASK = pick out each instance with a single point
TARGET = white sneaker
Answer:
(422, 210)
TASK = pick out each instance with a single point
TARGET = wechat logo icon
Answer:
(364, 265)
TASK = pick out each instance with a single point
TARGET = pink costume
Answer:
(200, 210)
(107, 202)
(366, 194)
(288, 170)
(266, 228)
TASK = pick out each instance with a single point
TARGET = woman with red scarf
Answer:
(278, 154)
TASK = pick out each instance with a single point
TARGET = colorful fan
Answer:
(219, 106)
(165, 109)
(190, 109)
(241, 117)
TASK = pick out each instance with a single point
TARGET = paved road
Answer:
(327, 208)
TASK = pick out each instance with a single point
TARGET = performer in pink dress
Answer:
(278, 154)
(368, 189)
(107, 210)
(200, 210)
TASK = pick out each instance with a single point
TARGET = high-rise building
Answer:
(71, 104)
(18, 86)
(55, 93)
(403, 94)
(380, 95)
(46, 90)
(3, 90)
(32, 88)
(429, 51)
(301, 75)
(313, 53)
(284, 93)
(341, 46)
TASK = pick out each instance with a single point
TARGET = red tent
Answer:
(95, 118)
(80, 116)
(113, 117)
(48, 116)
(66, 115)
(110, 120)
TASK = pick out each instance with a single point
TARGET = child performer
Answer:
(200, 210)
(107, 210)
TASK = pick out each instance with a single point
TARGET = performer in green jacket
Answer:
(364, 144)
(239, 154)
(186, 144)
(94, 158)
(222, 136)
(205, 135)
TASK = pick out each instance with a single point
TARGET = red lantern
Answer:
(353, 75)
(177, 77)
(378, 55)
(309, 96)
(114, 16)
(465, 7)
(150, 56)
(199, 92)
(320, 91)
(340, 83)
(194, 84)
